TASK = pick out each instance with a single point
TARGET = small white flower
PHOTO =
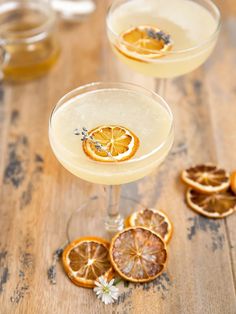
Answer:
(106, 291)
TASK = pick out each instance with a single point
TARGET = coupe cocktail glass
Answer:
(190, 30)
(143, 112)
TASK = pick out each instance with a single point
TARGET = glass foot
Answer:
(115, 224)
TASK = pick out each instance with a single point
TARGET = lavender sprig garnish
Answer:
(86, 137)
(159, 36)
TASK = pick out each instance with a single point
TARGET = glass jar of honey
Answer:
(28, 41)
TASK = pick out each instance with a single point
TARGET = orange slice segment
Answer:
(206, 178)
(138, 254)
(118, 143)
(144, 41)
(152, 219)
(86, 259)
(216, 205)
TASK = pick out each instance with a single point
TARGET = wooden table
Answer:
(38, 195)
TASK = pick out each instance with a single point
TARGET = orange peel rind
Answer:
(153, 219)
(215, 205)
(138, 254)
(206, 178)
(86, 259)
(119, 144)
(139, 42)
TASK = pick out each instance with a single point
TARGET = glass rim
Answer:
(170, 52)
(34, 34)
(119, 85)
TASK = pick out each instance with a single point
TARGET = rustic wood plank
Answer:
(222, 93)
(38, 195)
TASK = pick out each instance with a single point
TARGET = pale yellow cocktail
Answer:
(143, 112)
(192, 26)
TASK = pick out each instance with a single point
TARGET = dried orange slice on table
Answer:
(118, 143)
(138, 254)
(233, 182)
(152, 219)
(144, 41)
(86, 259)
(206, 178)
(216, 205)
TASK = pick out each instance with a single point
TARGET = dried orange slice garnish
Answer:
(216, 205)
(138, 254)
(206, 178)
(86, 259)
(144, 41)
(152, 219)
(233, 182)
(118, 143)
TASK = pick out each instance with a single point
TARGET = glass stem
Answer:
(161, 87)
(114, 222)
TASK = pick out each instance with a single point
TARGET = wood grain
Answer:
(37, 195)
